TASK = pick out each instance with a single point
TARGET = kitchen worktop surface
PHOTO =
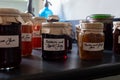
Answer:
(34, 68)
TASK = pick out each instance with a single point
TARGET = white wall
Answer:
(21, 5)
(79, 9)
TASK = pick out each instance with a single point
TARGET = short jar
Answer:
(37, 35)
(54, 42)
(91, 41)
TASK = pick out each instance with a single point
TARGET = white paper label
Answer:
(9, 41)
(54, 44)
(118, 39)
(36, 34)
(26, 37)
(93, 46)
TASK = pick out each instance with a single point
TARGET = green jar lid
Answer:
(100, 16)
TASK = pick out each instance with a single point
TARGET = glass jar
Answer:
(54, 42)
(37, 36)
(116, 37)
(10, 38)
(91, 41)
(69, 34)
(26, 34)
(107, 20)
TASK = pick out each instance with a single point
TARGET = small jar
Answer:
(27, 25)
(10, 38)
(37, 36)
(107, 20)
(116, 37)
(54, 42)
(69, 35)
(91, 43)
(78, 29)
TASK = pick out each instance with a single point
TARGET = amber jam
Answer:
(10, 45)
(91, 41)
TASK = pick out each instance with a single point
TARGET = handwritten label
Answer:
(54, 44)
(93, 46)
(26, 37)
(36, 34)
(9, 41)
(118, 39)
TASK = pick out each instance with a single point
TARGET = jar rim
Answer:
(96, 25)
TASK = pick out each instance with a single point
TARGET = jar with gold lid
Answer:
(10, 38)
(54, 42)
(91, 41)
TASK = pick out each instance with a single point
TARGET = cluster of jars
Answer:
(20, 33)
(16, 36)
(97, 33)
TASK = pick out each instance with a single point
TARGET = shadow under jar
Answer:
(10, 38)
(54, 41)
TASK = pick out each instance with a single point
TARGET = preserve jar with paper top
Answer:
(27, 25)
(37, 36)
(91, 40)
(10, 38)
(54, 42)
(116, 37)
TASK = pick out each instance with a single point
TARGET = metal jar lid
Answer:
(101, 16)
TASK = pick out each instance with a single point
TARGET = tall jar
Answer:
(37, 36)
(10, 38)
(54, 42)
(27, 25)
(116, 37)
(107, 20)
(91, 43)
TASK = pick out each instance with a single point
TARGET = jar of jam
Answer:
(26, 34)
(54, 42)
(37, 36)
(116, 37)
(91, 41)
(10, 38)
(69, 34)
(107, 20)
(78, 29)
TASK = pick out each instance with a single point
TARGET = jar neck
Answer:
(92, 30)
